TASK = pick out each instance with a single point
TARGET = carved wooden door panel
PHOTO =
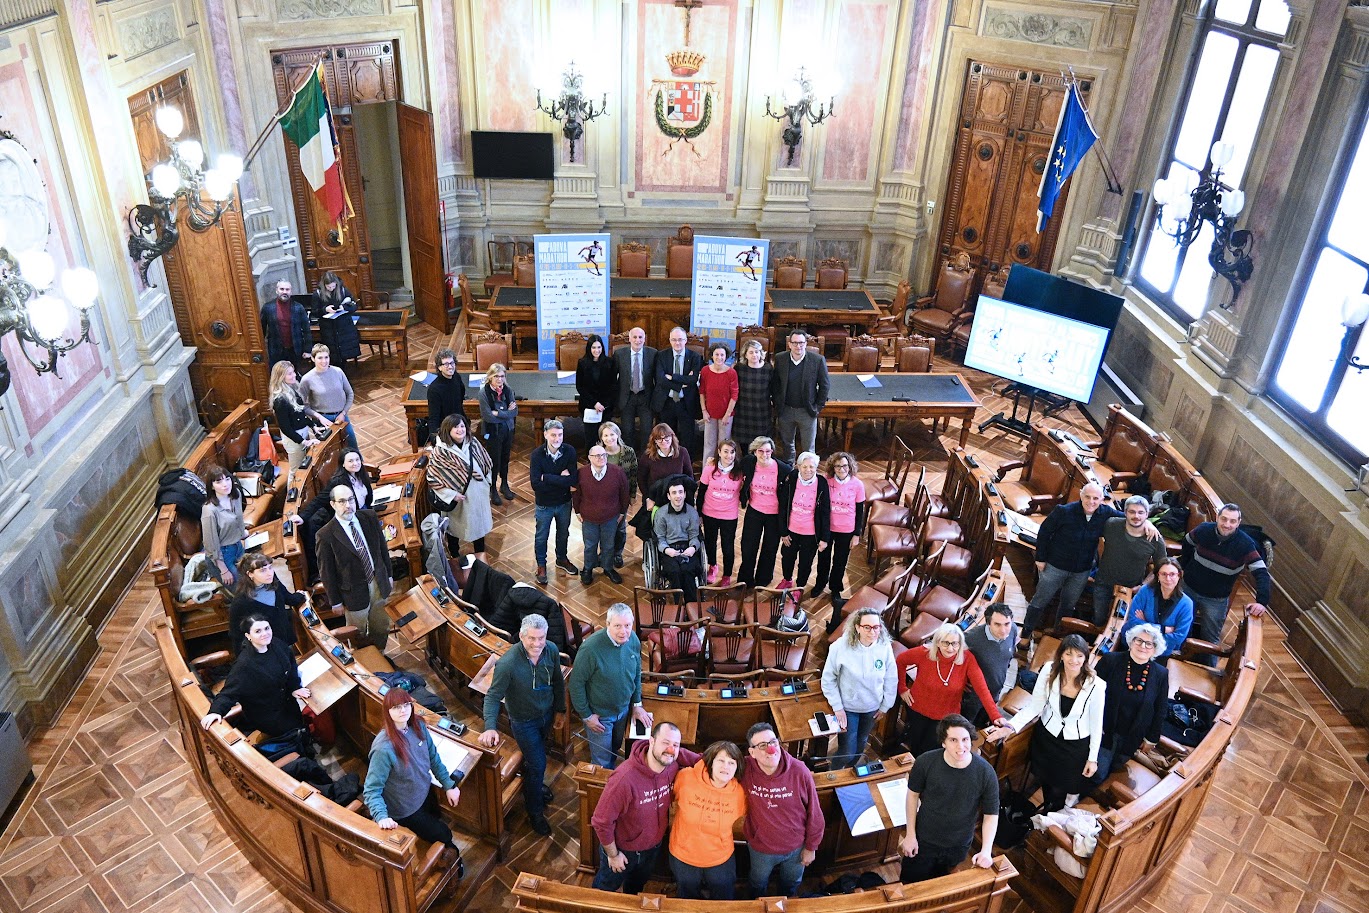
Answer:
(1007, 119)
(208, 276)
(354, 74)
(419, 173)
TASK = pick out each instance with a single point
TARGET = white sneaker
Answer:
(1071, 800)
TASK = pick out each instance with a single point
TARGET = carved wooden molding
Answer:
(235, 776)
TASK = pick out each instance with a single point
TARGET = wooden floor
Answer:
(116, 822)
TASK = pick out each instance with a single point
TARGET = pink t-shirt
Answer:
(723, 498)
(801, 510)
(765, 489)
(845, 496)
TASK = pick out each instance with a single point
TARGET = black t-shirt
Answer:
(951, 799)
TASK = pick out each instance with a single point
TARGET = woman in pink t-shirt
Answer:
(805, 515)
(718, 392)
(847, 493)
(761, 478)
(719, 503)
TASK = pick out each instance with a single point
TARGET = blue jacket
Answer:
(1143, 611)
(550, 487)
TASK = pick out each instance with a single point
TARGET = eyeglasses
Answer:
(870, 627)
(761, 746)
(448, 364)
(1145, 644)
(347, 500)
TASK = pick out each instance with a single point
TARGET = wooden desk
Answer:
(546, 398)
(923, 396)
(656, 305)
(812, 307)
(793, 714)
(329, 686)
(379, 328)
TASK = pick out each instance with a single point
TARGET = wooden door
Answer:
(1003, 137)
(208, 276)
(418, 169)
(354, 74)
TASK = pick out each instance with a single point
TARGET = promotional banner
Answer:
(572, 289)
(729, 285)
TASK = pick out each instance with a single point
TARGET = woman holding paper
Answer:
(334, 307)
(498, 412)
(401, 766)
(461, 475)
(265, 681)
(596, 381)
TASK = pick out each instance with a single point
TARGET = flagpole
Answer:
(281, 112)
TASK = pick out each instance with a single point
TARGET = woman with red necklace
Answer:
(944, 669)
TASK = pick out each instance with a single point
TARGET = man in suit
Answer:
(636, 365)
(285, 327)
(800, 388)
(675, 399)
(354, 562)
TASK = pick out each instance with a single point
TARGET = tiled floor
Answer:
(116, 822)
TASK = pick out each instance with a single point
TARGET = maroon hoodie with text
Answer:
(782, 808)
(634, 810)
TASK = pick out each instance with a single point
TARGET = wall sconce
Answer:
(152, 227)
(1212, 202)
(570, 108)
(34, 312)
(797, 98)
(1354, 310)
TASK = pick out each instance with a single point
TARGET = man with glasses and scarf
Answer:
(784, 823)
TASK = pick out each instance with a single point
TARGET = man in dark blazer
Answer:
(636, 363)
(799, 386)
(354, 562)
(675, 399)
(285, 327)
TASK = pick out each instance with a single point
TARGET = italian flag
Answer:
(309, 124)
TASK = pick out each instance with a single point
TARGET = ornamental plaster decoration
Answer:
(1038, 28)
(296, 10)
(141, 34)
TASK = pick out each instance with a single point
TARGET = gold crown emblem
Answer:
(684, 62)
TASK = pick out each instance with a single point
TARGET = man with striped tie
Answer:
(354, 563)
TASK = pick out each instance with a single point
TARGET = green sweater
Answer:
(606, 678)
(528, 694)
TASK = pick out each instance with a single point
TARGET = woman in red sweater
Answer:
(718, 392)
(944, 669)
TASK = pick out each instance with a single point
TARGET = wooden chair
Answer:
(862, 355)
(764, 335)
(570, 348)
(679, 261)
(768, 604)
(576, 630)
(790, 272)
(499, 259)
(731, 648)
(651, 607)
(696, 343)
(491, 349)
(634, 260)
(831, 273)
(681, 645)
(914, 355)
(724, 604)
(1043, 482)
(889, 487)
(936, 314)
(868, 598)
(783, 650)
(524, 271)
(891, 325)
(617, 341)
(716, 681)
(478, 320)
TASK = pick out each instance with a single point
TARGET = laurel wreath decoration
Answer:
(683, 133)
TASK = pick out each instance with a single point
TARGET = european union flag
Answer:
(1074, 137)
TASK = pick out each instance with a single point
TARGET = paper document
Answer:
(255, 540)
(313, 666)
(1022, 524)
(476, 380)
(452, 753)
(565, 378)
(334, 315)
(831, 725)
(593, 416)
(423, 377)
(858, 807)
(384, 494)
(868, 380)
(894, 793)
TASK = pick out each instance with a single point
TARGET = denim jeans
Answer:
(531, 736)
(1102, 603)
(1068, 584)
(620, 538)
(351, 435)
(851, 743)
(690, 880)
(544, 515)
(598, 544)
(604, 747)
(1211, 612)
(788, 866)
(631, 879)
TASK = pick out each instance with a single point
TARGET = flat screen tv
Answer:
(1036, 348)
(512, 156)
(1058, 295)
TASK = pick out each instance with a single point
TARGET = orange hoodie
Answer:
(701, 834)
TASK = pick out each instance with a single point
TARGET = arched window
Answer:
(1313, 380)
(1224, 99)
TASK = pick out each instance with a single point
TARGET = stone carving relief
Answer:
(296, 10)
(146, 33)
(1038, 28)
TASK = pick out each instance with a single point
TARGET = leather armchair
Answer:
(937, 314)
(790, 272)
(634, 260)
(831, 273)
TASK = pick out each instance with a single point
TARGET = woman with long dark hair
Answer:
(1070, 701)
(222, 526)
(719, 502)
(461, 474)
(1163, 602)
(334, 307)
(762, 474)
(718, 393)
(402, 763)
(260, 592)
(498, 412)
(596, 379)
(264, 681)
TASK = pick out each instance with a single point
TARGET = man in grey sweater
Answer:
(327, 390)
(992, 644)
(677, 536)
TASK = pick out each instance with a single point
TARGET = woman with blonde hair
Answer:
(293, 415)
(622, 455)
(498, 412)
(755, 413)
(944, 669)
(859, 682)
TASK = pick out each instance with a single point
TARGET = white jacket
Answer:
(1085, 719)
(860, 679)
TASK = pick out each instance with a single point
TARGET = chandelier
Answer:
(797, 100)
(1213, 203)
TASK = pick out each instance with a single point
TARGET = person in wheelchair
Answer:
(676, 524)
